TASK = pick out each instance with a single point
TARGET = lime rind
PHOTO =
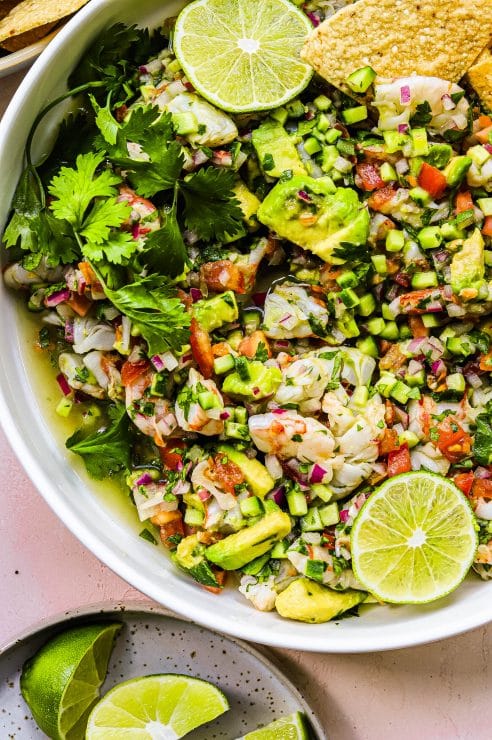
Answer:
(414, 540)
(158, 703)
(292, 727)
(243, 56)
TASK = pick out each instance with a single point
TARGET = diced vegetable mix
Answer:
(263, 317)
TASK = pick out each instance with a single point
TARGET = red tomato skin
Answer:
(399, 461)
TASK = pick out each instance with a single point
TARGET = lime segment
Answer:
(243, 55)
(160, 707)
(292, 727)
(61, 682)
(414, 539)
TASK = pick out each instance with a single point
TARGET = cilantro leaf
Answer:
(102, 216)
(117, 248)
(106, 451)
(211, 208)
(105, 121)
(152, 304)
(422, 115)
(75, 188)
(164, 250)
(35, 229)
(156, 175)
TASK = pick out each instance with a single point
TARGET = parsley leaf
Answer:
(106, 451)
(211, 208)
(152, 304)
(75, 188)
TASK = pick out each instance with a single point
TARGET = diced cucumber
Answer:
(422, 280)
(321, 491)
(409, 438)
(385, 384)
(360, 80)
(322, 102)
(329, 514)
(279, 550)
(430, 237)
(417, 380)
(251, 506)
(367, 304)
(312, 145)
(456, 382)
(430, 320)
(395, 141)
(420, 145)
(390, 331)
(460, 346)
(360, 396)
(349, 297)
(311, 522)
(236, 431)
(449, 231)
(64, 406)
(387, 172)
(354, 115)
(296, 501)
(185, 123)
(208, 400)
(395, 240)
(332, 135)
(386, 312)
(223, 364)
(380, 264)
(241, 415)
(193, 517)
(368, 347)
(252, 319)
(347, 279)
(485, 205)
(420, 196)
(376, 325)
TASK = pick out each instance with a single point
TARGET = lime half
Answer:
(414, 539)
(243, 55)
(61, 682)
(162, 707)
(292, 727)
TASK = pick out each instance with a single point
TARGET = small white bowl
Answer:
(69, 492)
(17, 60)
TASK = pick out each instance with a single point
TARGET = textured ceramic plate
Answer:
(152, 641)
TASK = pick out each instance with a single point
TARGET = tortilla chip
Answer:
(6, 6)
(480, 78)
(31, 14)
(29, 37)
(439, 38)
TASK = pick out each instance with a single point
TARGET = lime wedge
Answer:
(292, 727)
(162, 707)
(61, 682)
(414, 539)
(243, 55)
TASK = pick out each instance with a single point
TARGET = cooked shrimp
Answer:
(144, 215)
(190, 414)
(288, 435)
(304, 382)
(152, 415)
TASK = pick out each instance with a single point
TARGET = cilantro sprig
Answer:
(106, 451)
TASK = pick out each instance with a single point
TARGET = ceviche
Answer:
(260, 317)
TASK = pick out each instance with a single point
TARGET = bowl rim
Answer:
(370, 639)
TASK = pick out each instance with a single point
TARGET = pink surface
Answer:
(436, 692)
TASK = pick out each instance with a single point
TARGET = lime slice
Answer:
(414, 539)
(292, 727)
(61, 682)
(162, 707)
(243, 55)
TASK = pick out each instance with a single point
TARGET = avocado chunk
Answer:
(212, 313)
(310, 213)
(249, 204)
(468, 265)
(261, 383)
(275, 150)
(190, 557)
(456, 169)
(257, 476)
(242, 547)
(307, 601)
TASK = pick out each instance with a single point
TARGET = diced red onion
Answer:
(414, 367)
(483, 473)
(143, 69)
(285, 318)
(81, 286)
(203, 494)
(402, 128)
(342, 165)
(224, 415)
(488, 147)
(199, 157)
(434, 307)
(144, 480)
(256, 390)
(181, 487)
(69, 337)
(402, 166)
(405, 94)
(473, 380)
(416, 346)
(438, 367)
(402, 416)
(313, 18)
(281, 344)
(273, 466)
(344, 515)
(279, 411)
(196, 294)
(447, 102)
(302, 195)
(136, 230)
(63, 383)
(56, 298)
(222, 159)
(317, 474)
(441, 256)
(157, 363)
(278, 495)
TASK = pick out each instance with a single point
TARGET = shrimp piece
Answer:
(144, 216)
(190, 414)
(288, 435)
(17, 277)
(152, 415)
(304, 381)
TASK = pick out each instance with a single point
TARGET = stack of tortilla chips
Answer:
(23, 22)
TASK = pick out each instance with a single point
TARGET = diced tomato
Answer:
(172, 459)
(417, 327)
(220, 577)
(249, 345)
(486, 362)
(453, 441)
(483, 135)
(133, 370)
(399, 461)
(484, 121)
(170, 530)
(464, 481)
(368, 176)
(432, 180)
(225, 472)
(487, 226)
(220, 349)
(80, 304)
(388, 442)
(381, 200)
(201, 349)
(482, 488)
(463, 202)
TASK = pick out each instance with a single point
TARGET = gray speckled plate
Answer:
(153, 641)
